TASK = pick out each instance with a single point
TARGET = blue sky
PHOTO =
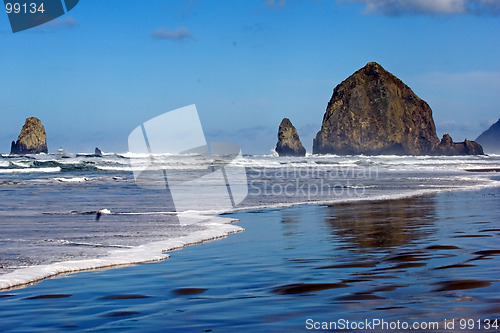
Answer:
(96, 73)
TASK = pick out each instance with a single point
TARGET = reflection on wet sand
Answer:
(383, 224)
(462, 284)
(424, 252)
(51, 296)
(189, 291)
(300, 288)
(122, 297)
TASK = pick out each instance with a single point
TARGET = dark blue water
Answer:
(430, 258)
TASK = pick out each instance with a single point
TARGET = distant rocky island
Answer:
(373, 112)
(490, 139)
(31, 140)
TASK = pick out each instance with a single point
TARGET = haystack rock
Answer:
(32, 139)
(288, 140)
(97, 152)
(373, 112)
(490, 139)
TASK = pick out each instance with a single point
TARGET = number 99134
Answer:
(24, 8)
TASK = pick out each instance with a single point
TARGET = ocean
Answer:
(399, 237)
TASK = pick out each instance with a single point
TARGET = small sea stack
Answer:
(288, 140)
(448, 147)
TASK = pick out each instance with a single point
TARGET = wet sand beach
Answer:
(429, 258)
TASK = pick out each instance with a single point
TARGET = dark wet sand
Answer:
(412, 259)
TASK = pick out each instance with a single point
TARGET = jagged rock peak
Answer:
(32, 139)
(288, 140)
(373, 112)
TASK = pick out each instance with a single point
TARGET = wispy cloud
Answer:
(450, 126)
(430, 7)
(479, 82)
(176, 35)
(464, 104)
(275, 3)
(66, 22)
(252, 140)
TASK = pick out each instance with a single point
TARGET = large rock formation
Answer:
(32, 139)
(288, 140)
(490, 139)
(448, 147)
(373, 112)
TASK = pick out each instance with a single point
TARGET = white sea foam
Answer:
(32, 170)
(429, 190)
(68, 242)
(133, 155)
(22, 164)
(117, 168)
(155, 251)
(137, 155)
(145, 213)
(73, 180)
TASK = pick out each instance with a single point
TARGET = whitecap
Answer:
(32, 170)
(72, 180)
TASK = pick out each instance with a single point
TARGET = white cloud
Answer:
(433, 7)
(177, 35)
